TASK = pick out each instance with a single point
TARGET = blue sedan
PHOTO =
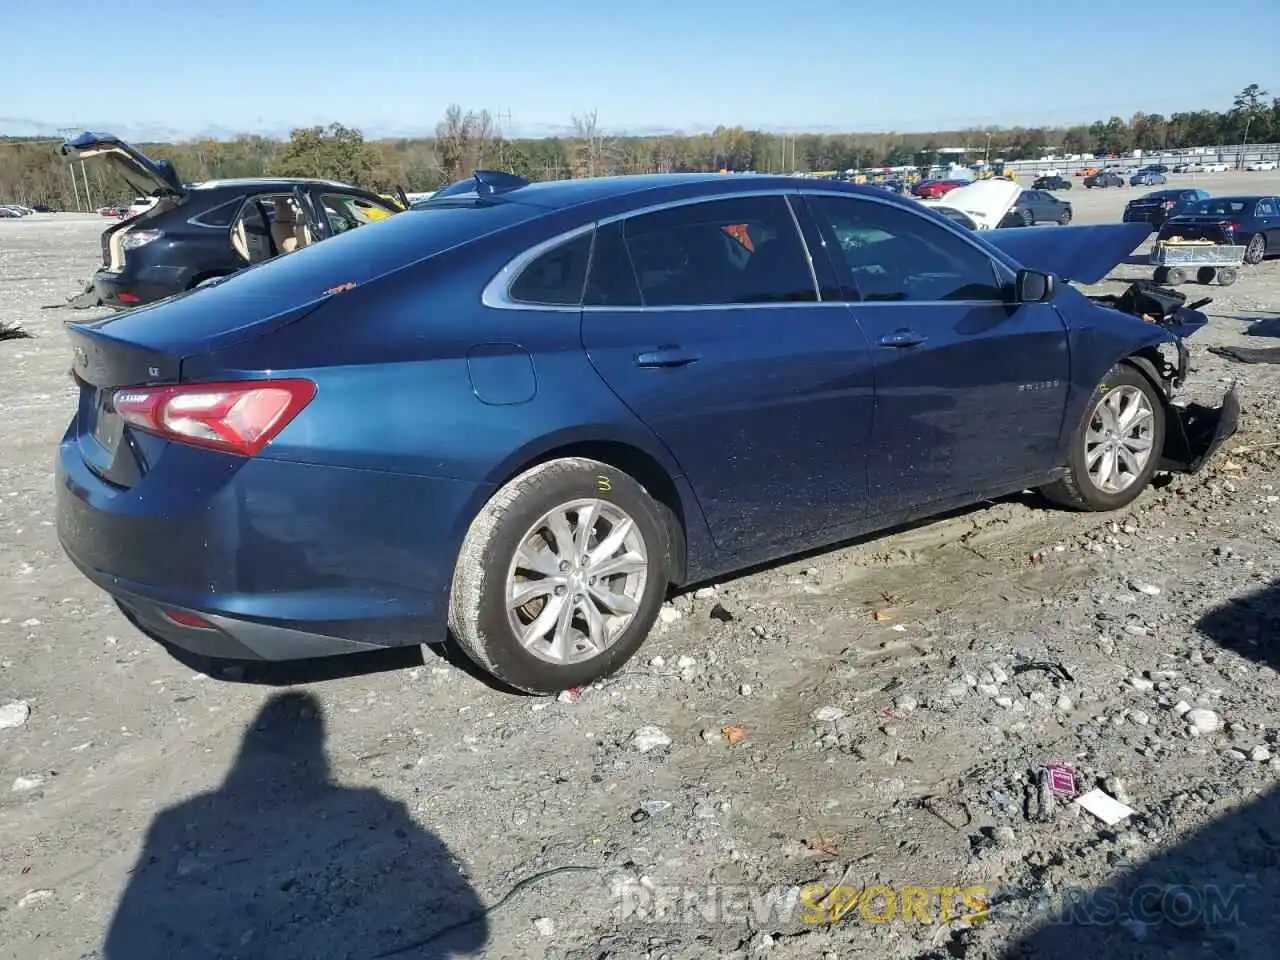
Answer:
(520, 413)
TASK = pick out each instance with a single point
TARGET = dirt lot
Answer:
(873, 715)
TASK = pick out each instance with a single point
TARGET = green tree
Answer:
(336, 153)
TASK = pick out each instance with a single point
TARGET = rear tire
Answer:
(1256, 249)
(1206, 274)
(1065, 218)
(1227, 276)
(1103, 471)
(1028, 218)
(1177, 275)
(547, 526)
(1160, 275)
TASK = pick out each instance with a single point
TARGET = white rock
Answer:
(545, 926)
(1150, 589)
(1066, 704)
(704, 593)
(14, 715)
(745, 689)
(1182, 708)
(649, 738)
(956, 691)
(905, 703)
(1140, 717)
(827, 714)
(1204, 721)
(685, 662)
(1141, 683)
(34, 896)
(669, 614)
(658, 662)
(23, 784)
(565, 697)
(997, 674)
(1260, 754)
(988, 689)
(1006, 702)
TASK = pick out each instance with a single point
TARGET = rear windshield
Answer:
(360, 255)
(1220, 207)
(296, 279)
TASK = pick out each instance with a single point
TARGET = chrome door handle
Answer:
(902, 338)
(667, 356)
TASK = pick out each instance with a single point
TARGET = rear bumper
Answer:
(281, 560)
(129, 289)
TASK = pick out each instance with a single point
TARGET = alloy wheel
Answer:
(1119, 441)
(576, 581)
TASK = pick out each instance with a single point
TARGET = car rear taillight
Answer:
(1168, 204)
(139, 238)
(238, 417)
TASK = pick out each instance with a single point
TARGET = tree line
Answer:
(464, 140)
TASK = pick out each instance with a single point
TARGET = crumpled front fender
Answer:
(1194, 433)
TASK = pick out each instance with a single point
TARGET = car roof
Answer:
(1243, 198)
(550, 195)
(248, 182)
(557, 194)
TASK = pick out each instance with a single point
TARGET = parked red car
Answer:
(933, 189)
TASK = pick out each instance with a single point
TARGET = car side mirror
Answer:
(1032, 286)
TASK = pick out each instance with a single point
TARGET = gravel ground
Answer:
(874, 715)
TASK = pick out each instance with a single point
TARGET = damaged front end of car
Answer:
(1194, 431)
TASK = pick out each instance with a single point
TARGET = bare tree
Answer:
(592, 152)
(463, 141)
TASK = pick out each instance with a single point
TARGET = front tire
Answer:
(561, 576)
(1117, 446)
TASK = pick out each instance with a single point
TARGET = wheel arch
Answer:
(652, 469)
(204, 275)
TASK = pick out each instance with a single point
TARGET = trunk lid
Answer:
(149, 177)
(1216, 228)
(100, 364)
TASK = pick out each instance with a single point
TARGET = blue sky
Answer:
(179, 68)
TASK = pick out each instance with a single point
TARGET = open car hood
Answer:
(145, 175)
(1083, 254)
(986, 202)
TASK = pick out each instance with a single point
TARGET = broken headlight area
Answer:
(1194, 431)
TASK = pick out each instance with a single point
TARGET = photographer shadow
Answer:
(281, 862)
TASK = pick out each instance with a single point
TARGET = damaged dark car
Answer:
(196, 234)
(518, 415)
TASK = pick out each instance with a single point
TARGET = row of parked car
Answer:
(11, 211)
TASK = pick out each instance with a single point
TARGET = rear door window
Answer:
(736, 250)
(1266, 208)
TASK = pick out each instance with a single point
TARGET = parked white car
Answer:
(1260, 165)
